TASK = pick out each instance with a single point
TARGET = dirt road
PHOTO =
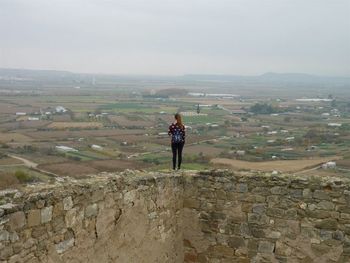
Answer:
(26, 162)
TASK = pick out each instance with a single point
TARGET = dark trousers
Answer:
(177, 151)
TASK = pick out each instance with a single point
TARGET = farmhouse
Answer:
(60, 109)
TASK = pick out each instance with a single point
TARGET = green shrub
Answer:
(23, 177)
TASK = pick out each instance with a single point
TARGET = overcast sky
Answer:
(244, 37)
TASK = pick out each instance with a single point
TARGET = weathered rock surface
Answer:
(213, 216)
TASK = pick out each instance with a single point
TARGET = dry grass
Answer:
(8, 180)
(282, 166)
(80, 125)
(206, 150)
(123, 121)
(13, 137)
(344, 163)
(73, 169)
(63, 134)
(9, 161)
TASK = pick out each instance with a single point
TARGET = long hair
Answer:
(179, 119)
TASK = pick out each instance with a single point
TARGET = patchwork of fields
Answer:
(77, 133)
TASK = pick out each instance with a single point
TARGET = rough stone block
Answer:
(322, 195)
(257, 232)
(242, 188)
(325, 205)
(278, 190)
(191, 203)
(266, 247)
(4, 235)
(64, 245)
(91, 210)
(236, 242)
(6, 252)
(258, 208)
(283, 249)
(258, 219)
(17, 220)
(307, 193)
(273, 234)
(330, 224)
(275, 212)
(320, 214)
(46, 214)
(67, 203)
(34, 217)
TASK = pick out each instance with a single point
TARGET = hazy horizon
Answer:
(240, 37)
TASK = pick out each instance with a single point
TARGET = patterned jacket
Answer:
(175, 128)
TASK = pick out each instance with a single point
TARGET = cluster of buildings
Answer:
(43, 114)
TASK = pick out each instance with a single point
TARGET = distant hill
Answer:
(29, 73)
(271, 77)
(273, 83)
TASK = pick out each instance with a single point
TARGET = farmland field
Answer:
(282, 166)
(122, 123)
(80, 125)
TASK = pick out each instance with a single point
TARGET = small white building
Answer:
(272, 133)
(65, 149)
(21, 113)
(96, 147)
(240, 153)
(33, 118)
(60, 109)
(333, 124)
(287, 149)
(329, 165)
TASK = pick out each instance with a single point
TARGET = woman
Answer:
(177, 133)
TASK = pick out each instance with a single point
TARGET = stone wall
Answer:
(136, 219)
(213, 217)
(265, 218)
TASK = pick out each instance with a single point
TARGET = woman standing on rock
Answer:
(177, 133)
